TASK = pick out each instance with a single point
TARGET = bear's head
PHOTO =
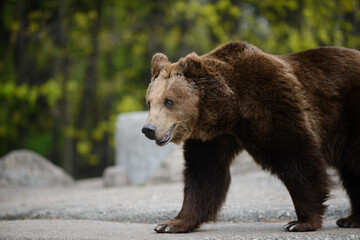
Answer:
(186, 99)
(172, 99)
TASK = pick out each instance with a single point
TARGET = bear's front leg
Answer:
(207, 179)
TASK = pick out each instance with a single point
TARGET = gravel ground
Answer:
(90, 229)
(252, 198)
(257, 206)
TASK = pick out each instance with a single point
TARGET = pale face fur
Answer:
(173, 106)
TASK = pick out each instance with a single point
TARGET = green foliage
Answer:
(40, 143)
(67, 68)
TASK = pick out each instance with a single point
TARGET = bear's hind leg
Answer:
(308, 188)
(351, 182)
(303, 171)
(350, 167)
(207, 179)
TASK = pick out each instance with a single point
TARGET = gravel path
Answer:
(256, 208)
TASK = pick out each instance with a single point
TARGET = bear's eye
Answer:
(148, 105)
(168, 102)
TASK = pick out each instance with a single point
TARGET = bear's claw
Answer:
(161, 228)
(164, 228)
(291, 226)
(296, 226)
(174, 226)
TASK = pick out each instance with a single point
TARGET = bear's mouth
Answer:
(166, 138)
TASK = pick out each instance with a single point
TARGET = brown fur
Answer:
(295, 114)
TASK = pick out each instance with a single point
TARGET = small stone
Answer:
(115, 176)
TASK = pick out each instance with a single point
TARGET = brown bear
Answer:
(295, 114)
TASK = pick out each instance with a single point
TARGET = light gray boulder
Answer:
(144, 161)
(139, 156)
(170, 170)
(24, 168)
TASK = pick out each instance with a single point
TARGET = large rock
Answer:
(144, 161)
(24, 168)
(170, 170)
(139, 156)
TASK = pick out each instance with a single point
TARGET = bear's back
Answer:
(329, 71)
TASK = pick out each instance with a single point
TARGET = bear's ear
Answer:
(158, 62)
(192, 66)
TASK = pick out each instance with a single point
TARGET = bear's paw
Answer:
(175, 226)
(349, 222)
(298, 226)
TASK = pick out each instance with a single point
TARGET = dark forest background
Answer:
(67, 67)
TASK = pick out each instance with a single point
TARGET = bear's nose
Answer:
(149, 131)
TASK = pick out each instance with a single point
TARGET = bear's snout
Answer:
(149, 131)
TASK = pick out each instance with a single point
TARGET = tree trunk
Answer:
(20, 58)
(106, 152)
(88, 112)
(356, 22)
(20, 48)
(62, 111)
